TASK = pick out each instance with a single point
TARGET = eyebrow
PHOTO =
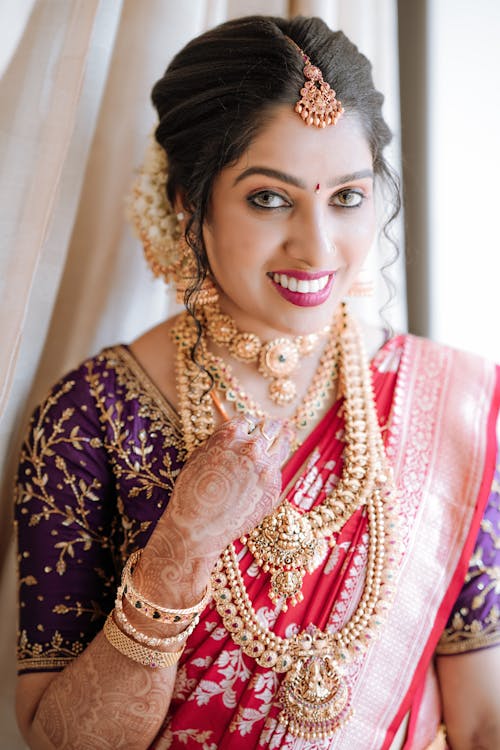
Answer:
(291, 180)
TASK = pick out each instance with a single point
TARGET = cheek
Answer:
(240, 244)
(357, 238)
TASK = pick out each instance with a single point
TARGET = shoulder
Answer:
(78, 388)
(460, 363)
(462, 387)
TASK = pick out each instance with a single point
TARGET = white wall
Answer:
(464, 173)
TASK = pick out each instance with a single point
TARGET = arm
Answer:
(101, 699)
(468, 661)
(470, 690)
(104, 700)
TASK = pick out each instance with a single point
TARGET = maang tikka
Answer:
(318, 104)
(159, 228)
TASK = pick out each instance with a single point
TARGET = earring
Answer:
(363, 286)
(186, 273)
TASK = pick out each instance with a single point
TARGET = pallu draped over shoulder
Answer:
(97, 470)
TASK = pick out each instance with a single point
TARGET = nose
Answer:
(311, 237)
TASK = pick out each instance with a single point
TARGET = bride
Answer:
(261, 524)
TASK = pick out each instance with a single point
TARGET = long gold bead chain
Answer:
(193, 384)
(315, 694)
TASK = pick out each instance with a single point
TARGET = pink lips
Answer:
(301, 299)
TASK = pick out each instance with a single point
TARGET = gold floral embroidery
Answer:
(466, 632)
(463, 636)
(49, 655)
(37, 453)
(143, 478)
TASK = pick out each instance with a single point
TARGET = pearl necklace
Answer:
(315, 695)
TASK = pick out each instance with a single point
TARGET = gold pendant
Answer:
(285, 545)
(282, 391)
(315, 698)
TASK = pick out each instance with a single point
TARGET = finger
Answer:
(275, 436)
(270, 429)
(251, 423)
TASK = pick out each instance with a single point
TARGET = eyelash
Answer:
(252, 200)
(346, 191)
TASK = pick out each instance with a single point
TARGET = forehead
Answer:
(285, 143)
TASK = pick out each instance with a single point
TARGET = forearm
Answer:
(105, 699)
(102, 699)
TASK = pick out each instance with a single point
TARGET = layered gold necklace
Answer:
(196, 404)
(315, 695)
(277, 359)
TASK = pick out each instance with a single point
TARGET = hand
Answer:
(224, 490)
(229, 484)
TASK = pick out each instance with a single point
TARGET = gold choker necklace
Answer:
(277, 359)
(196, 404)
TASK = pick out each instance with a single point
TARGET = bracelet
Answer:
(133, 650)
(150, 641)
(154, 611)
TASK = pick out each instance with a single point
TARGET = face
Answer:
(290, 225)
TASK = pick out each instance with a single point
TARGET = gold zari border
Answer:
(44, 663)
(473, 643)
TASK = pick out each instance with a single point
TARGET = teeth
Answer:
(300, 285)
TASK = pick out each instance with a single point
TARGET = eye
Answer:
(267, 199)
(348, 198)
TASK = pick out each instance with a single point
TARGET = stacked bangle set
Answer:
(142, 648)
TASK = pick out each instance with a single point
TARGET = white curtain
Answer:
(74, 117)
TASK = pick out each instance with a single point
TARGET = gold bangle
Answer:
(132, 650)
(126, 626)
(154, 611)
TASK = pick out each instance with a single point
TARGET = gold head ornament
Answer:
(318, 104)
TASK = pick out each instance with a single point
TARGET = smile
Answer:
(302, 286)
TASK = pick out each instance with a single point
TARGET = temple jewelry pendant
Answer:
(315, 698)
(285, 545)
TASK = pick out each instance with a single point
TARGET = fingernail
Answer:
(270, 428)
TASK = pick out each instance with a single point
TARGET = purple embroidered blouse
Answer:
(96, 471)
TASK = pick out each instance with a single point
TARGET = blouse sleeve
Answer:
(64, 506)
(475, 620)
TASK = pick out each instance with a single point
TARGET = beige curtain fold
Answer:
(74, 118)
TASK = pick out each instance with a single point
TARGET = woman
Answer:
(238, 531)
